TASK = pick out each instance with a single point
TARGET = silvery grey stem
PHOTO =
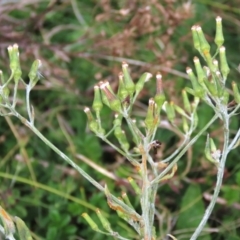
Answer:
(219, 179)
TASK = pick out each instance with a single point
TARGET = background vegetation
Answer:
(80, 43)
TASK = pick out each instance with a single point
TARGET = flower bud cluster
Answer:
(209, 84)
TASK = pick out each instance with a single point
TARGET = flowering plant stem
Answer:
(208, 86)
(220, 174)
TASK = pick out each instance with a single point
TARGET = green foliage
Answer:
(191, 211)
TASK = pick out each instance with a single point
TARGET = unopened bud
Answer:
(134, 186)
(140, 84)
(204, 45)
(93, 125)
(150, 120)
(127, 79)
(196, 41)
(211, 87)
(97, 102)
(211, 153)
(34, 73)
(236, 92)
(105, 223)
(126, 200)
(209, 61)
(91, 223)
(186, 102)
(219, 39)
(223, 63)
(199, 91)
(121, 137)
(114, 102)
(159, 97)
(122, 91)
(2, 77)
(200, 72)
(179, 110)
(118, 120)
(170, 110)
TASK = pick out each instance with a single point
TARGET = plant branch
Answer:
(167, 169)
(218, 183)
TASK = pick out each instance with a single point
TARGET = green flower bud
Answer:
(195, 103)
(219, 77)
(204, 45)
(15, 63)
(34, 74)
(104, 97)
(129, 85)
(223, 63)
(89, 114)
(140, 84)
(93, 125)
(170, 110)
(134, 185)
(151, 117)
(219, 39)
(207, 71)
(121, 137)
(209, 61)
(122, 91)
(190, 91)
(126, 200)
(115, 105)
(114, 102)
(97, 102)
(105, 223)
(10, 54)
(196, 41)
(215, 63)
(91, 223)
(179, 110)
(199, 91)
(186, 102)
(236, 92)
(211, 152)
(200, 72)
(118, 120)
(124, 142)
(2, 77)
(14, 60)
(212, 145)
(219, 83)
(159, 97)
(211, 86)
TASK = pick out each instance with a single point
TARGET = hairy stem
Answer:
(218, 183)
(169, 167)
